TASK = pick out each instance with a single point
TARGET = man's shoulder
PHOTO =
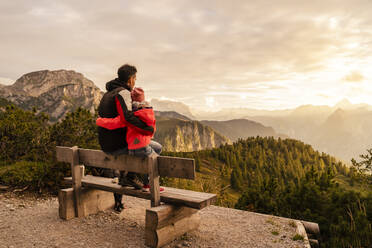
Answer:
(125, 94)
(127, 98)
(114, 91)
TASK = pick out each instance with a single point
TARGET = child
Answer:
(139, 144)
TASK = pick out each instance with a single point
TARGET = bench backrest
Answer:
(167, 166)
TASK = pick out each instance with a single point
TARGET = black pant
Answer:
(111, 174)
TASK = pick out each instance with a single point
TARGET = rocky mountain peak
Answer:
(305, 110)
(336, 118)
(53, 92)
(38, 82)
(344, 104)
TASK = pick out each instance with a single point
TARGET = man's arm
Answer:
(110, 123)
(124, 108)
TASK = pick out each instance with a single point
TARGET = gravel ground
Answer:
(32, 221)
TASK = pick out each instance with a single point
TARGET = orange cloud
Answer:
(354, 77)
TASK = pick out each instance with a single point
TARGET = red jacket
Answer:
(136, 138)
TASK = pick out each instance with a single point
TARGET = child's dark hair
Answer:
(126, 71)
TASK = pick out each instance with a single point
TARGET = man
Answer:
(117, 101)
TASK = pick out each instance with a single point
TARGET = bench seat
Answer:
(192, 199)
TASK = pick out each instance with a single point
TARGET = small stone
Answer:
(12, 209)
(179, 246)
(133, 224)
(3, 187)
(185, 244)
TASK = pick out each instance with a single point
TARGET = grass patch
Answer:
(298, 237)
(270, 221)
(275, 232)
(292, 223)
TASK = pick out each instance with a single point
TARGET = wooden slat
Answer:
(64, 154)
(104, 183)
(100, 159)
(183, 197)
(176, 167)
(166, 214)
(167, 166)
(188, 198)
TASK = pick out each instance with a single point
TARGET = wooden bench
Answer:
(173, 212)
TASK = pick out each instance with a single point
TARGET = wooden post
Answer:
(93, 201)
(154, 179)
(168, 222)
(311, 228)
(301, 231)
(313, 233)
(82, 170)
(76, 172)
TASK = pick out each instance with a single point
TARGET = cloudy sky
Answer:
(207, 54)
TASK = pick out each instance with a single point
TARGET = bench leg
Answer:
(168, 222)
(92, 201)
(154, 180)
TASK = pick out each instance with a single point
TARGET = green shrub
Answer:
(298, 237)
(24, 135)
(36, 175)
(78, 128)
(275, 232)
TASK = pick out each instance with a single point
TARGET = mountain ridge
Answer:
(167, 105)
(53, 92)
(186, 135)
(241, 129)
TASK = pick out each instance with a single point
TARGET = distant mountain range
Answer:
(342, 130)
(170, 114)
(179, 107)
(242, 129)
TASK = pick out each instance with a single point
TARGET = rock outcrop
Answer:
(53, 92)
(182, 135)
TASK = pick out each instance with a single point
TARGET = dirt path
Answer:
(30, 221)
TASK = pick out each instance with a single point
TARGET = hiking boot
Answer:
(146, 188)
(133, 182)
(119, 207)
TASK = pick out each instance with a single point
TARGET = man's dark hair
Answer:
(126, 71)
